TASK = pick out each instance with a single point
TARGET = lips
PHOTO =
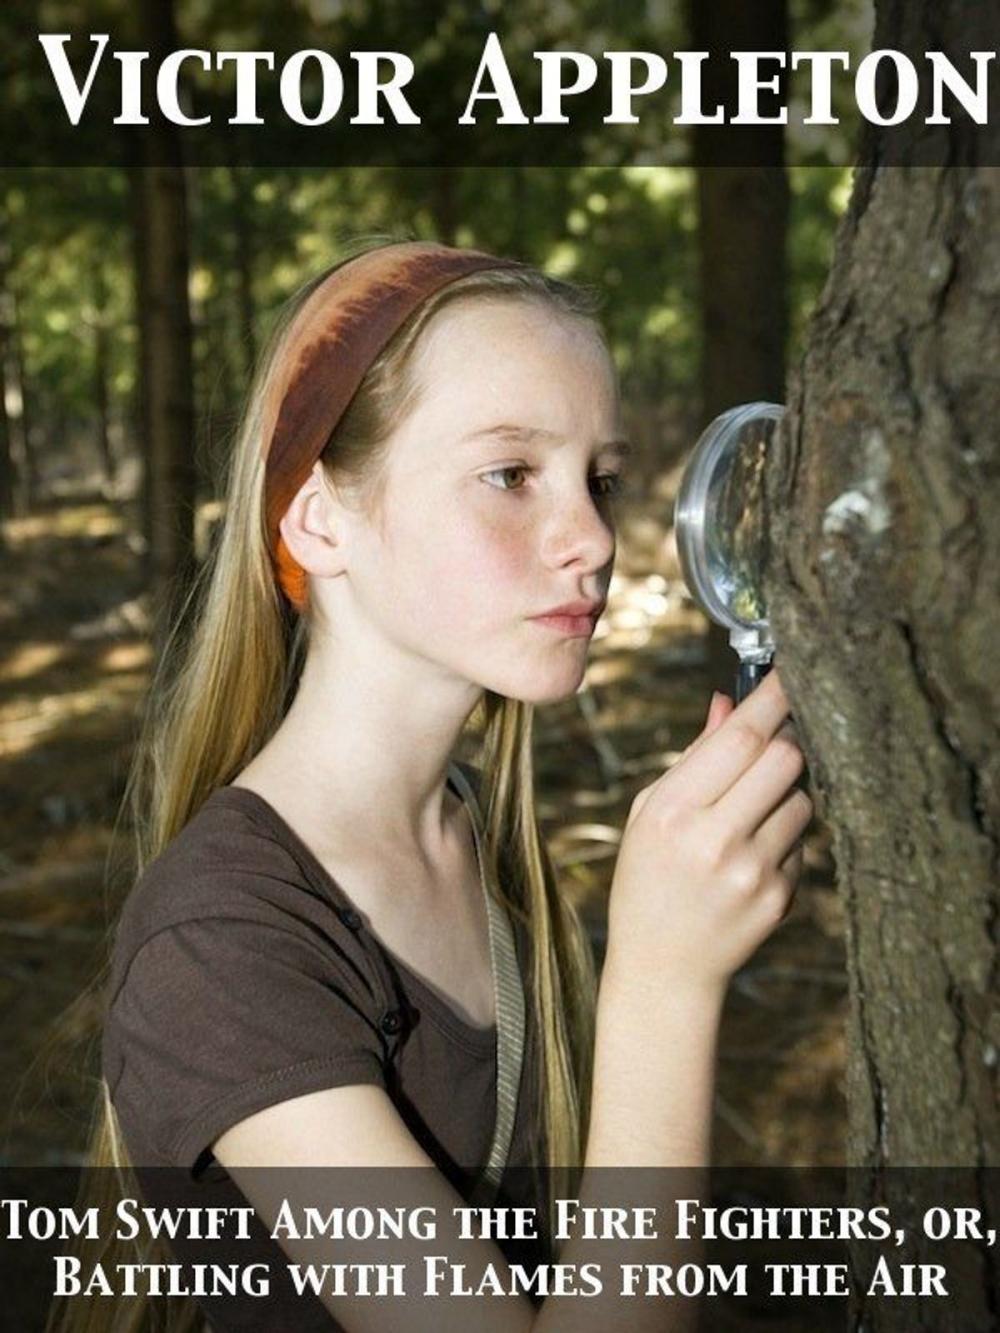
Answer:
(592, 609)
(574, 619)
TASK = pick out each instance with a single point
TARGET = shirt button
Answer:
(391, 1022)
(351, 919)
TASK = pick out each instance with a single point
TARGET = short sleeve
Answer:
(220, 1017)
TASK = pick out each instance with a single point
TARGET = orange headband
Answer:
(333, 340)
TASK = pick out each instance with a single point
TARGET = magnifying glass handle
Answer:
(748, 677)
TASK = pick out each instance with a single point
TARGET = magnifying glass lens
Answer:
(722, 538)
(735, 533)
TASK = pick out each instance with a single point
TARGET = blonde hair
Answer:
(223, 687)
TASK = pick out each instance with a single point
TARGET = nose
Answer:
(580, 532)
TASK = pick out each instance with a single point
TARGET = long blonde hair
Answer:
(225, 681)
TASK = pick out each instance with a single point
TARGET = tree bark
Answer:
(884, 583)
(887, 525)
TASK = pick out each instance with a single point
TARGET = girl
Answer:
(346, 948)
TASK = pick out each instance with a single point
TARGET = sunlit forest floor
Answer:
(74, 665)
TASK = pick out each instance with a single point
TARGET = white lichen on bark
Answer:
(865, 503)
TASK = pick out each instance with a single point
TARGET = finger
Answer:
(791, 868)
(782, 831)
(718, 760)
(766, 783)
(719, 708)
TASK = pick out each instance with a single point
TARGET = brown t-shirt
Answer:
(243, 976)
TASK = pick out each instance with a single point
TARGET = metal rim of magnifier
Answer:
(689, 508)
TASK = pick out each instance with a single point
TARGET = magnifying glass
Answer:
(722, 536)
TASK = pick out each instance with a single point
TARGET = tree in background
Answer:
(18, 482)
(743, 207)
(161, 259)
(743, 211)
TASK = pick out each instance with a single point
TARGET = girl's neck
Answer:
(363, 753)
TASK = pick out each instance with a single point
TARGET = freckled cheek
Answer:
(480, 567)
(505, 568)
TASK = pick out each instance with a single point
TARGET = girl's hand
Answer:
(711, 854)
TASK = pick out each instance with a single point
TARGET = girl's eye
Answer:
(505, 472)
(610, 483)
(604, 483)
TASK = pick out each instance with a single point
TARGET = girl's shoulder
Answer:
(236, 982)
(234, 858)
(237, 858)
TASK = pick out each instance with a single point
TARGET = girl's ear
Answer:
(313, 526)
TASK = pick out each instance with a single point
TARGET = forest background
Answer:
(709, 275)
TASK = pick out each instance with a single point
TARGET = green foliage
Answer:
(67, 245)
(256, 233)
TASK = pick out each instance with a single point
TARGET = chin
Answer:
(543, 687)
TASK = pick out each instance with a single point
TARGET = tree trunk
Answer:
(166, 355)
(743, 203)
(139, 400)
(166, 332)
(16, 365)
(742, 231)
(8, 483)
(17, 481)
(245, 238)
(101, 377)
(884, 587)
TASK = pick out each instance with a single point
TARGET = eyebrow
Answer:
(533, 434)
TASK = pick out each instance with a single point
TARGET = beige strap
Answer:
(508, 993)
